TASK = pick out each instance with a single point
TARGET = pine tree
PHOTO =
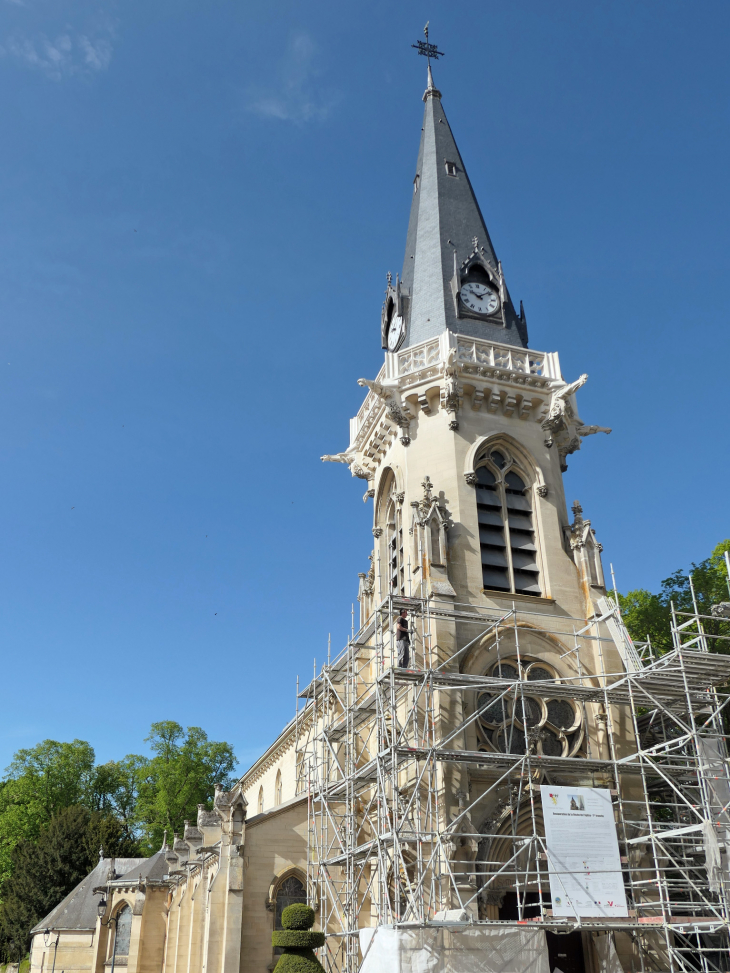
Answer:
(46, 870)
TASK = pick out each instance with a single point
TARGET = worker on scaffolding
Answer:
(403, 639)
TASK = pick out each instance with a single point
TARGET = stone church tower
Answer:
(461, 400)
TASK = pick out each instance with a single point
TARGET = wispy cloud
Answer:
(70, 51)
(295, 96)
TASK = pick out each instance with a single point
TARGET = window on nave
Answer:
(506, 526)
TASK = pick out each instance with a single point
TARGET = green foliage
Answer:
(297, 916)
(647, 614)
(298, 961)
(647, 617)
(297, 939)
(181, 774)
(54, 796)
(39, 783)
(23, 968)
(47, 869)
(297, 942)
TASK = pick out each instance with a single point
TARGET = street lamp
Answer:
(101, 910)
(46, 941)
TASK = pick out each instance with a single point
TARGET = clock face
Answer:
(396, 331)
(479, 298)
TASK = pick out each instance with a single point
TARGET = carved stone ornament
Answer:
(377, 531)
(579, 529)
(562, 425)
(400, 497)
(721, 610)
(471, 478)
(542, 491)
(387, 392)
(206, 818)
(451, 391)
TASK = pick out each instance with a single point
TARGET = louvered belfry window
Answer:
(506, 527)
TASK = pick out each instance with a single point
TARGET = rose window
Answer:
(513, 722)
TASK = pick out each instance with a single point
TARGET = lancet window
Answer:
(277, 788)
(261, 800)
(395, 548)
(123, 931)
(290, 892)
(513, 721)
(506, 527)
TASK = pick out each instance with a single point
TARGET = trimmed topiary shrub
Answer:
(299, 939)
(297, 916)
(297, 942)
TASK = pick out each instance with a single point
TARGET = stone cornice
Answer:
(283, 743)
(499, 378)
(279, 809)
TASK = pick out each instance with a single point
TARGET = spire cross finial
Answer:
(426, 49)
(390, 277)
(475, 242)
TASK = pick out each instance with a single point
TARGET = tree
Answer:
(181, 774)
(47, 869)
(647, 614)
(39, 783)
(116, 788)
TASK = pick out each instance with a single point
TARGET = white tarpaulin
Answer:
(442, 950)
(584, 862)
(714, 769)
(607, 957)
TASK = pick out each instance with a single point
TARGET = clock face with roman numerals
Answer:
(396, 332)
(480, 298)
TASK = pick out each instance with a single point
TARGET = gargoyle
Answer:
(388, 393)
(560, 408)
(347, 457)
(563, 426)
(591, 430)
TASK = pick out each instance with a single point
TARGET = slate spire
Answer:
(444, 224)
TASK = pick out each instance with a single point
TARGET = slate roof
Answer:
(151, 869)
(78, 909)
(445, 216)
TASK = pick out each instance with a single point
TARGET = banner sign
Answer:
(584, 862)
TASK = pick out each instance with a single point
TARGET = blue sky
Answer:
(200, 202)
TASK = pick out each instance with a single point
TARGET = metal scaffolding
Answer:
(384, 758)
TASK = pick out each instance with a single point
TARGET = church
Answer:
(412, 799)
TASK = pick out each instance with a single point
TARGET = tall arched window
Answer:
(289, 892)
(506, 530)
(123, 931)
(261, 800)
(277, 788)
(394, 539)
